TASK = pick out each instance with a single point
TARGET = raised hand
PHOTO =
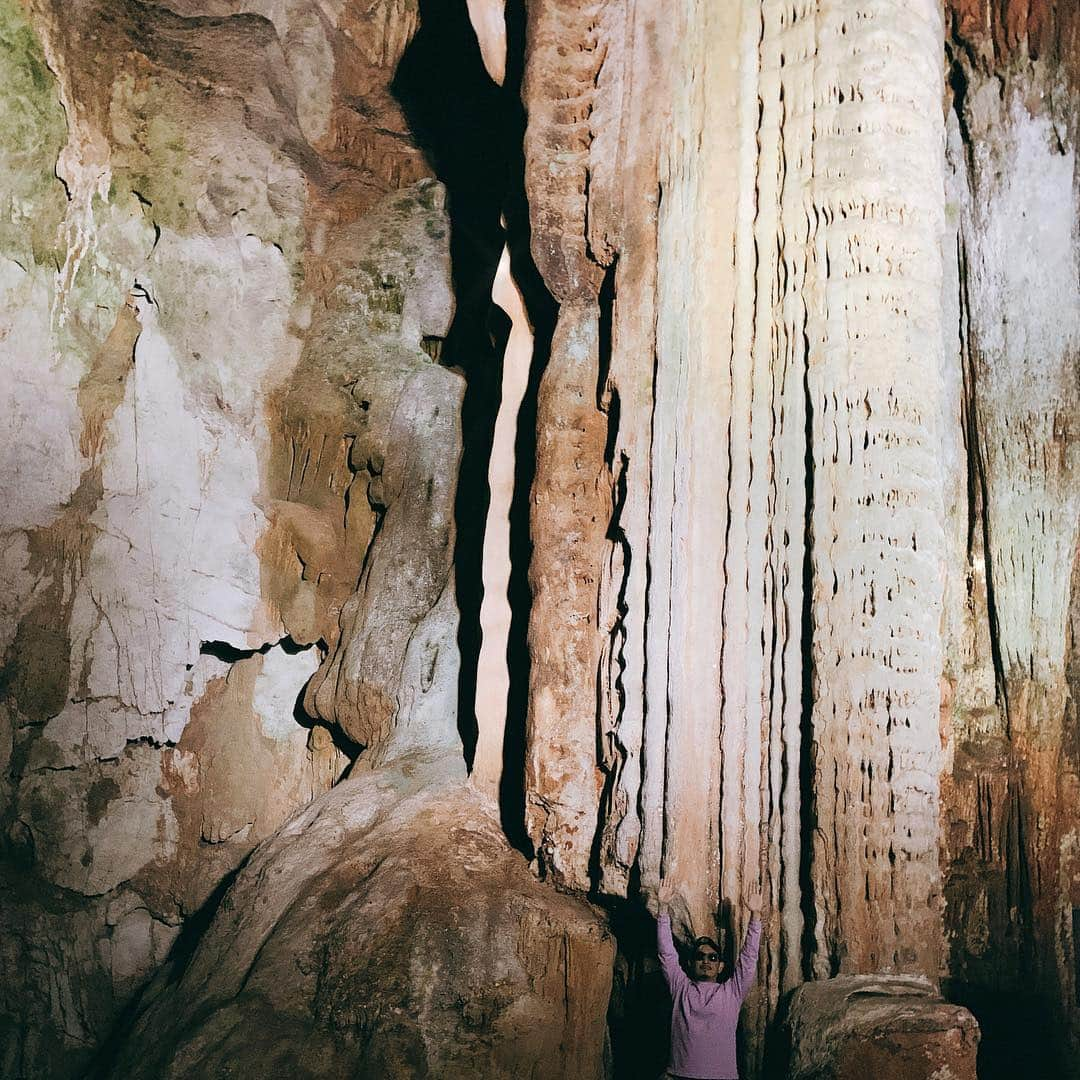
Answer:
(665, 894)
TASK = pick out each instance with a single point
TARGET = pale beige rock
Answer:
(364, 381)
(97, 826)
(1010, 723)
(390, 931)
(876, 520)
(488, 18)
(492, 673)
(804, 523)
(142, 334)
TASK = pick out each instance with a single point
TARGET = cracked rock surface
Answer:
(793, 594)
(387, 931)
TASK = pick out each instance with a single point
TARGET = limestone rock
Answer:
(890, 1027)
(70, 964)
(804, 582)
(1010, 728)
(387, 931)
(366, 474)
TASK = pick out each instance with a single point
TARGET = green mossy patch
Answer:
(33, 130)
(200, 172)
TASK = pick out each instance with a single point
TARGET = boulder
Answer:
(889, 1027)
(387, 930)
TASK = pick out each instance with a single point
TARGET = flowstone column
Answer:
(876, 520)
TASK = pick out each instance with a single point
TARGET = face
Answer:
(706, 964)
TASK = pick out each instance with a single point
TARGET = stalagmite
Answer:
(492, 674)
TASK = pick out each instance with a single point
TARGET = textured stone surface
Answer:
(1011, 811)
(802, 596)
(571, 494)
(387, 931)
(783, 331)
(818, 478)
(177, 182)
(888, 1027)
(367, 474)
(876, 517)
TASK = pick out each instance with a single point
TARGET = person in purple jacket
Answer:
(705, 1006)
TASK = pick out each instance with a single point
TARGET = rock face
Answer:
(791, 549)
(388, 931)
(761, 429)
(1011, 813)
(186, 245)
(857, 1026)
(814, 442)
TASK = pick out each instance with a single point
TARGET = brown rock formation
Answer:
(387, 931)
(1011, 820)
(888, 1027)
(780, 580)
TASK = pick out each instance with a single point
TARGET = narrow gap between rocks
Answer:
(472, 132)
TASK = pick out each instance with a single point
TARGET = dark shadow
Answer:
(807, 809)
(472, 133)
(639, 1012)
(542, 311)
(230, 654)
(180, 955)
(610, 402)
(777, 1057)
(466, 126)
(1020, 1033)
(342, 743)
(196, 925)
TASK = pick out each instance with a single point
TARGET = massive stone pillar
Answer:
(874, 397)
(769, 595)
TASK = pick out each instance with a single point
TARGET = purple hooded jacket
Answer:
(704, 1015)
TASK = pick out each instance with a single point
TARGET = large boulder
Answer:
(889, 1027)
(388, 930)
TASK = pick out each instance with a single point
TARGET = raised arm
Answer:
(746, 967)
(669, 958)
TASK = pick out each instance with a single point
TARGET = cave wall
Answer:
(230, 536)
(218, 282)
(802, 529)
(1009, 827)
(828, 421)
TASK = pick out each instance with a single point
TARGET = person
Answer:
(705, 1007)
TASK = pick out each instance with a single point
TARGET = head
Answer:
(706, 961)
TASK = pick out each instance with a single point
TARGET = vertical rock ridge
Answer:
(1011, 819)
(874, 286)
(572, 489)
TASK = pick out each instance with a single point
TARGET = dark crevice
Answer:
(958, 84)
(472, 132)
(609, 752)
(230, 654)
(466, 125)
(1076, 954)
(978, 494)
(639, 1009)
(542, 312)
(180, 955)
(807, 808)
(1018, 1033)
